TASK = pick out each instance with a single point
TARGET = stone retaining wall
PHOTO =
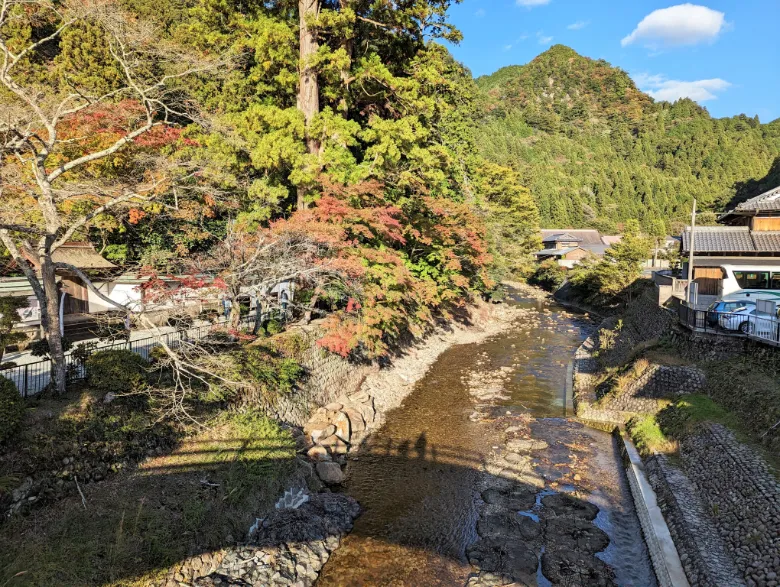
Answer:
(735, 485)
(656, 382)
(702, 552)
(585, 369)
(640, 397)
(328, 376)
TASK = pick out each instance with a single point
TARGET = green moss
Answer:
(116, 371)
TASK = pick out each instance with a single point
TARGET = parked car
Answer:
(748, 321)
(717, 309)
(742, 319)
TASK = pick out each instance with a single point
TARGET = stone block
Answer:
(330, 473)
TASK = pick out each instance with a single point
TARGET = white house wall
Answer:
(127, 294)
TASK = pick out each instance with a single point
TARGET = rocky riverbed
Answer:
(477, 479)
(470, 477)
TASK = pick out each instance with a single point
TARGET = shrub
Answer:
(549, 275)
(116, 371)
(273, 327)
(11, 408)
(7, 365)
(40, 348)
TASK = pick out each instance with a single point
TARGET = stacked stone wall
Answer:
(702, 552)
(743, 497)
(328, 376)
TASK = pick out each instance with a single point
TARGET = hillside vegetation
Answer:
(596, 151)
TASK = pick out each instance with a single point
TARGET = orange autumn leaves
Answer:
(405, 262)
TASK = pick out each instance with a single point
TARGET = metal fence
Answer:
(757, 327)
(32, 378)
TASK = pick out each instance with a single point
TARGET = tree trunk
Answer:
(308, 85)
(235, 315)
(310, 310)
(50, 320)
(655, 254)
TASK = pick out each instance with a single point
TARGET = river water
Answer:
(421, 479)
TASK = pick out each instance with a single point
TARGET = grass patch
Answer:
(660, 433)
(649, 438)
(200, 498)
(680, 417)
(751, 391)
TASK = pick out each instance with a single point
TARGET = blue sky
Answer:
(724, 54)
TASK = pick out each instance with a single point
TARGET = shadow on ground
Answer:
(127, 530)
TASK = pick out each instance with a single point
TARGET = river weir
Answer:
(479, 477)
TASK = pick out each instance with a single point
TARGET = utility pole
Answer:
(690, 253)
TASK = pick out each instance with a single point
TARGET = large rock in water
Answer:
(510, 558)
(508, 525)
(335, 445)
(356, 421)
(515, 498)
(568, 567)
(575, 534)
(562, 504)
(330, 473)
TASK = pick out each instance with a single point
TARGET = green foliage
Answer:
(11, 408)
(605, 280)
(265, 373)
(83, 351)
(595, 151)
(549, 275)
(116, 371)
(648, 436)
(9, 315)
(40, 348)
(273, 327)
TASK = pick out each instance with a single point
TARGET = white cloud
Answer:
(532, 3)
(684, 24)
(507, 47)
(543, 39)
(661, 88)
(580, 24)
(480, 13)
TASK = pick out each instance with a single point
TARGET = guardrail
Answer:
(33, 378)
(762, 328)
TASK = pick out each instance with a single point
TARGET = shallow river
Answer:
(422, 478)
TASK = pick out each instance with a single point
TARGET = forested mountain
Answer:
(596, 151)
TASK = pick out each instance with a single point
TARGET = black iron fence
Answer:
(32, 378)
(754, 326)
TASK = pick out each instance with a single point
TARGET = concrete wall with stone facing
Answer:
(656, 382)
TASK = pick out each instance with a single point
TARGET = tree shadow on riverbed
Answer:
(428, 510)
(438, 509)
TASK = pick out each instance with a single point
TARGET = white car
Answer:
(748, 321)
(742, 319)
